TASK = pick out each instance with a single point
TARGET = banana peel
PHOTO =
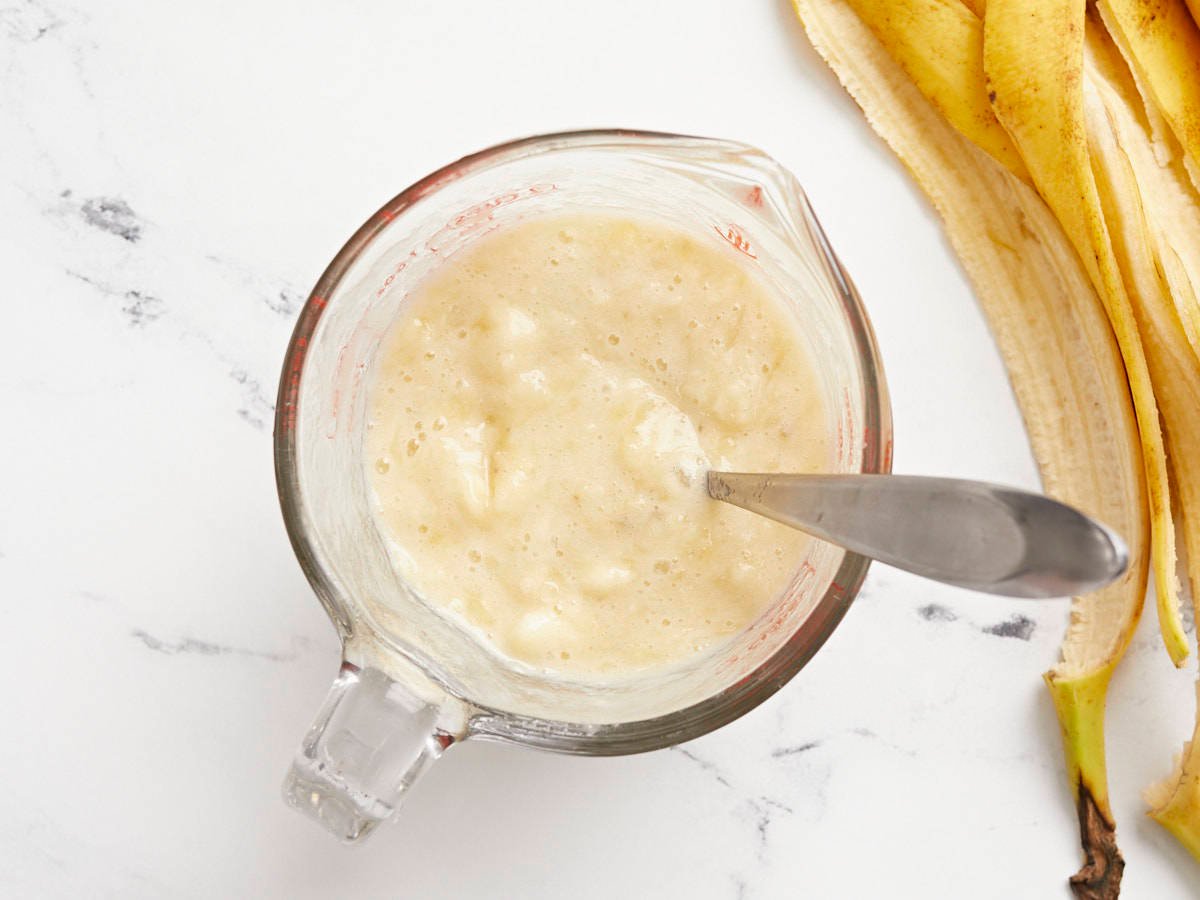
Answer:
(1175, 801)
(1079, 702)
(939, 45)
(1151, 41)
(1133, 191)
(975, 6)
(1065, 367)
(1033, 61)
(1161, 44)
(1154, 222)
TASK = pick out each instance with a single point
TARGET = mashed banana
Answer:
(541, 421)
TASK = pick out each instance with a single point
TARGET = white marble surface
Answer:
(172, 180)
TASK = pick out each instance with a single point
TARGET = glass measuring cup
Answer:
(412, 683)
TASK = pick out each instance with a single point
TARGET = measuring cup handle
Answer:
(371, 740)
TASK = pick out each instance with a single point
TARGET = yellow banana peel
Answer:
(1154, 222)
(1161, 44)
(1079, 702)
(1175, 801)
(1065, 367)
(1132, 184)
(939, 45)
(1098, 107)
(1176, 202)
(1033, 60)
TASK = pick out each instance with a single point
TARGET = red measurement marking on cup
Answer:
(736, 239)
(387, 282)
(479, 218)
(391, 278)
(335, 396)
(296, 362)
(480, 213)
(846, 417)
(433, 182)
(356, 382)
